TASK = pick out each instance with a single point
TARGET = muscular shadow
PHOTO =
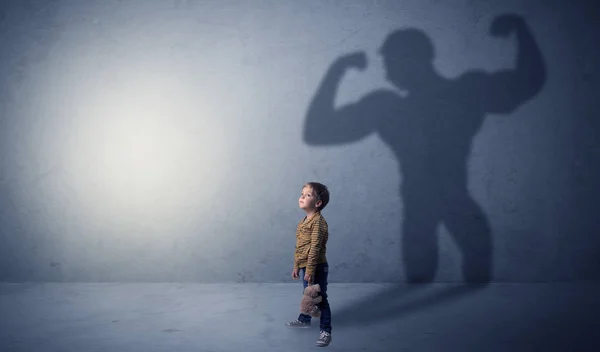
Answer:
(429, 123)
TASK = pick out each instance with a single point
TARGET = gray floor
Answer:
(250, 317)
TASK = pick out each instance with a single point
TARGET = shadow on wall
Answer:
(430, 124)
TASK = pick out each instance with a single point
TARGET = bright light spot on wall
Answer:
(144, 147)
(135, 155)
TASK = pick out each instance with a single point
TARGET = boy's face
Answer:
(308, 199)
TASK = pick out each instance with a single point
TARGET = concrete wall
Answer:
(169, 140)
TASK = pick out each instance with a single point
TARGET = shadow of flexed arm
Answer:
(326, 125)
(504, 91)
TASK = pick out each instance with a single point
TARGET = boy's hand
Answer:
(308, 278)
(295, 275)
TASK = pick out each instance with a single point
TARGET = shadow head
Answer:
(408, 57)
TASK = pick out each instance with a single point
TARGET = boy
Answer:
(309, 256)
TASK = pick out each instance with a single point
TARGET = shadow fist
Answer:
(357, 60)
(504, 25)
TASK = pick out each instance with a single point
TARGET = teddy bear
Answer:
(310, 299)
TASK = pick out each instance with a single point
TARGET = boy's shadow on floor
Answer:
(429, 122)
(398, 300)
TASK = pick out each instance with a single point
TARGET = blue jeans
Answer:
(320, 277)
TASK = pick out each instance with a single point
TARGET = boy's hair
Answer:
(321, 192)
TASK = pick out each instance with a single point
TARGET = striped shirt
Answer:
(311, 243)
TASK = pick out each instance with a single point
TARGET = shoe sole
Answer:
(298, 327)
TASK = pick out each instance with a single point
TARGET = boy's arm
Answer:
(317, 242)
(296, 252)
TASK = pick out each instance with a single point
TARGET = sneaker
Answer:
(324, 339)
(297, 324)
